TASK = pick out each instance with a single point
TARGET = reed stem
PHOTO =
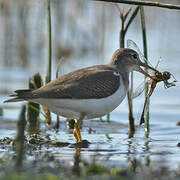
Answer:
(48, 76)
(144, 3)
(57, 117)
(108, 117)
(33, 109)
(21, 125)
(143, 26)
(48, 5)
(123, 32)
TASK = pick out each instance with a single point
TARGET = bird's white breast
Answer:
(91, 108)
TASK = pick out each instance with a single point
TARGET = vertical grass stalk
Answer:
(21, 125)
(108, 118)
(48, 79)
(48, 76)
(57, 117)
(143, 26)
(1, 111)
(33, 109)
(130, 104)
(123, 32)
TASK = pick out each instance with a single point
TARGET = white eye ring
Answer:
(116, 73)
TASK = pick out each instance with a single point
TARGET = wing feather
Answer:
(88, 83)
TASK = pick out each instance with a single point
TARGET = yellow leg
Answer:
(76, 131)
(75, 134)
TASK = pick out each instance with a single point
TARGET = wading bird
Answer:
(89, 92)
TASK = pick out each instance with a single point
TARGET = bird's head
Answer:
(128, 60)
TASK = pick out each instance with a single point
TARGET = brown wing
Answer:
(88, 83)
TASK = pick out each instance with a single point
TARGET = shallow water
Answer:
(160, 149)
(110, 144)
(117, 149)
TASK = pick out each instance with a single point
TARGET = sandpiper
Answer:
(89, 92)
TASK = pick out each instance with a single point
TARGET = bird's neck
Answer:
(125, 77)
(124, 73)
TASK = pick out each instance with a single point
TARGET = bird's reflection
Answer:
(77, 160)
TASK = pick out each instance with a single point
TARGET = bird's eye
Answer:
(135, 56)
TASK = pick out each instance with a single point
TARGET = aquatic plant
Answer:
(122, 35)
(49, 57)
(19, 142)
(143, 27)
(33, 109)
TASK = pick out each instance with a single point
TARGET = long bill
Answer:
(144, 72)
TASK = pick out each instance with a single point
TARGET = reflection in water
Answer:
(135, 164)
(146, 145)
(119, 151)
(77, 160)
(147, 159)
(131, 159)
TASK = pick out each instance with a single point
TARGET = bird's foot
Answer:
(82, 144)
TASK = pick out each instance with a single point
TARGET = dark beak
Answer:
(147, 67)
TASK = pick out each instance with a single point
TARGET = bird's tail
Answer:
(19, 95)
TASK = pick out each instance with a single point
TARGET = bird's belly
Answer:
(90, 108)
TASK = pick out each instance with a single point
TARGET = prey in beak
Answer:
(147, 67)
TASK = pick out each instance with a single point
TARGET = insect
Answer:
(157, 77)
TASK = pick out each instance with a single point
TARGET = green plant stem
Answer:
(33, 109)
(1, 111)
(48, 76)
(37, 110)
(143, 25)
(108, 117)
(144, 3)
(21, 124)
(123, 32)
(131, 18)
(57, 74)
(130, 103)
(49, 41)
